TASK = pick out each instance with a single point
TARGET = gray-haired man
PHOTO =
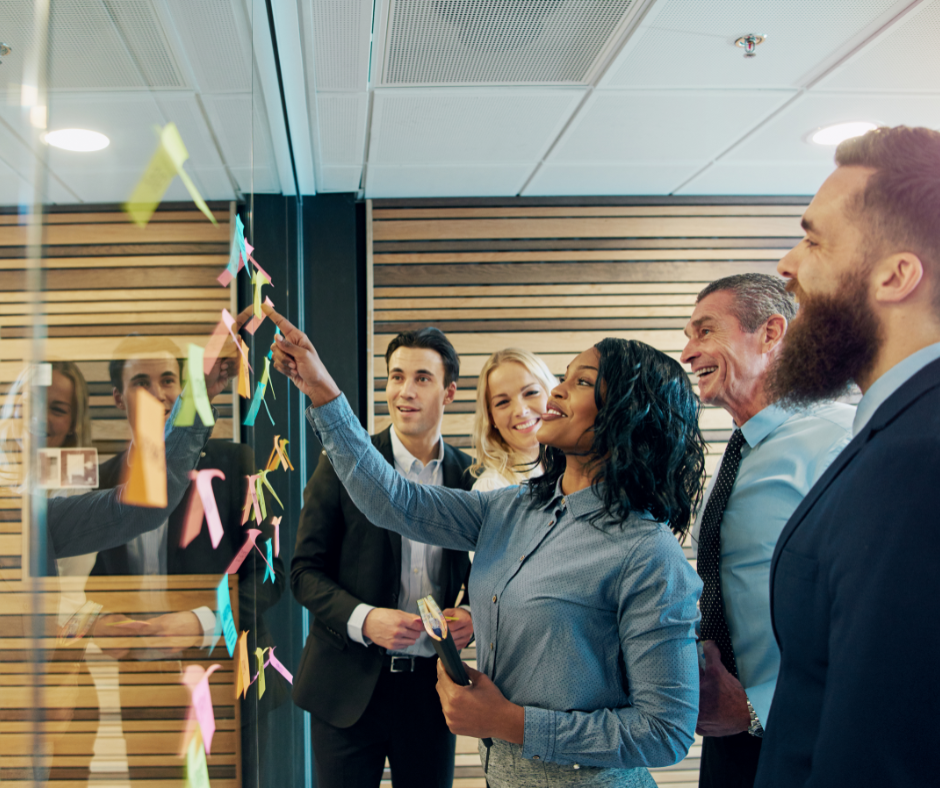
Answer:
(773, 458)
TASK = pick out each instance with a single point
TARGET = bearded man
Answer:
(854, 567)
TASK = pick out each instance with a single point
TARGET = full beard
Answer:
(831, 343)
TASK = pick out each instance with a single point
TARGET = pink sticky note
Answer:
(229, 323)
(197, 680)
(224, 278)
(274, 663)
(204, 485)
(276, 522)
(214, 346)
(192, 525)
(245, 549)
(248, 247)
(252, 492)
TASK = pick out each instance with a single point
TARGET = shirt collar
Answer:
(890, 382)
(762, 423)
(405, 459)
(581, 503)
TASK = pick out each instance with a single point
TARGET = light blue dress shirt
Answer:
(891, 381)
(785, 452)
(589, 627)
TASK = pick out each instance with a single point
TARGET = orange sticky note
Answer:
(146, 478)
(243, 674)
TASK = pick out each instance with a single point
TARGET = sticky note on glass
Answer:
(197, 679)
(197, 770)
(165, 164)
(238, 258)
(224, 612)
(259, 661)
(242, 672)
(195, 394)
(146, 476)
(238, 560)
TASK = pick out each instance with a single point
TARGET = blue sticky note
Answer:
(224, 606)
(238, 247)
(255, 406)
(268, 570)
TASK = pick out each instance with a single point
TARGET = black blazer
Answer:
(341, 560)
(853, 579)
(236, 461)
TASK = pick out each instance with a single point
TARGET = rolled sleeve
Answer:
(207, 621)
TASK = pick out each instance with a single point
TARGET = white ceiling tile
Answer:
(338, 41)
(445, 181)
(214, 183)
(341, 118)
(783, 138)
(509, 125)
(609, 179)
(14, 189)
(241, 127)
(340, 179)
(640, 126)
(763, 178)
(257, 180)
(115, 185)
(215, 41)
(905, 59)
(689, 43)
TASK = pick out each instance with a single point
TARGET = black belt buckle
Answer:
(402, 664)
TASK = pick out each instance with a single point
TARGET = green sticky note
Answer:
(195, 394)
(197, 770)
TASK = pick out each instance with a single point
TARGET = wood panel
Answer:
(100, 279)
(556, 279)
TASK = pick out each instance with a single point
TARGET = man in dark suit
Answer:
(853, 572)
(160, 552)
(368, 675)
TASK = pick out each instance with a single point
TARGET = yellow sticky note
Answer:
(244, 386)
(146, 478)
(259, 659)
(243, 675)
(197, 770)
(195, 395)
(259, 280)
(151, 187)
(165, 164)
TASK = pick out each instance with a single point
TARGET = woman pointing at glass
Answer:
(584, 604)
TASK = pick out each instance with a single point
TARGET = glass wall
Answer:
(150, 473)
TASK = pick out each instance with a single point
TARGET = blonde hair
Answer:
(80, 434)
(492, 452)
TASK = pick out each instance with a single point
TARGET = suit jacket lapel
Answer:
(383, 442)
(451, 468)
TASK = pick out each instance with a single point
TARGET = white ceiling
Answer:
(425, 98)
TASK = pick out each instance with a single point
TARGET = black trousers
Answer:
(402, 722)
(729, 761)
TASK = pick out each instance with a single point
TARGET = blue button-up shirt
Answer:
(891, 381)
(590, 627)
(785, 452)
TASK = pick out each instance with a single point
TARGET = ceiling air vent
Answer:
(467, 42)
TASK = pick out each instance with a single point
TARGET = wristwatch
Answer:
(755, 728)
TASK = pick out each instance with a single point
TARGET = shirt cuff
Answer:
(207, 620)
(538, 738)
(331, 415)
(356, 620)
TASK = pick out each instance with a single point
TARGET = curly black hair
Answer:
(648, 451)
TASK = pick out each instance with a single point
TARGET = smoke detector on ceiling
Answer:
(749, 44)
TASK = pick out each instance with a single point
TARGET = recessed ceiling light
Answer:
(833, 135)
(81, 140)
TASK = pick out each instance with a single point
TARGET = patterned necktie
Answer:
(714, 626)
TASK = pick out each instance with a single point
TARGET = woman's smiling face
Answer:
(516, 402)
(568, 421)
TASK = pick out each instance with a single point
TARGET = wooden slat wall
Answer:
(104, 278)
(555, 279)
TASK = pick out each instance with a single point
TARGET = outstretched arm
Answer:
(434, 515)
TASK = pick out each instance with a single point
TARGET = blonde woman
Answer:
(512, 393)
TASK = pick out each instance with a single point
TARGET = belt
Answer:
(406, 663)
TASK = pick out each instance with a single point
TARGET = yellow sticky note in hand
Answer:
(242, 673)
(165, 164)
(146, 478)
